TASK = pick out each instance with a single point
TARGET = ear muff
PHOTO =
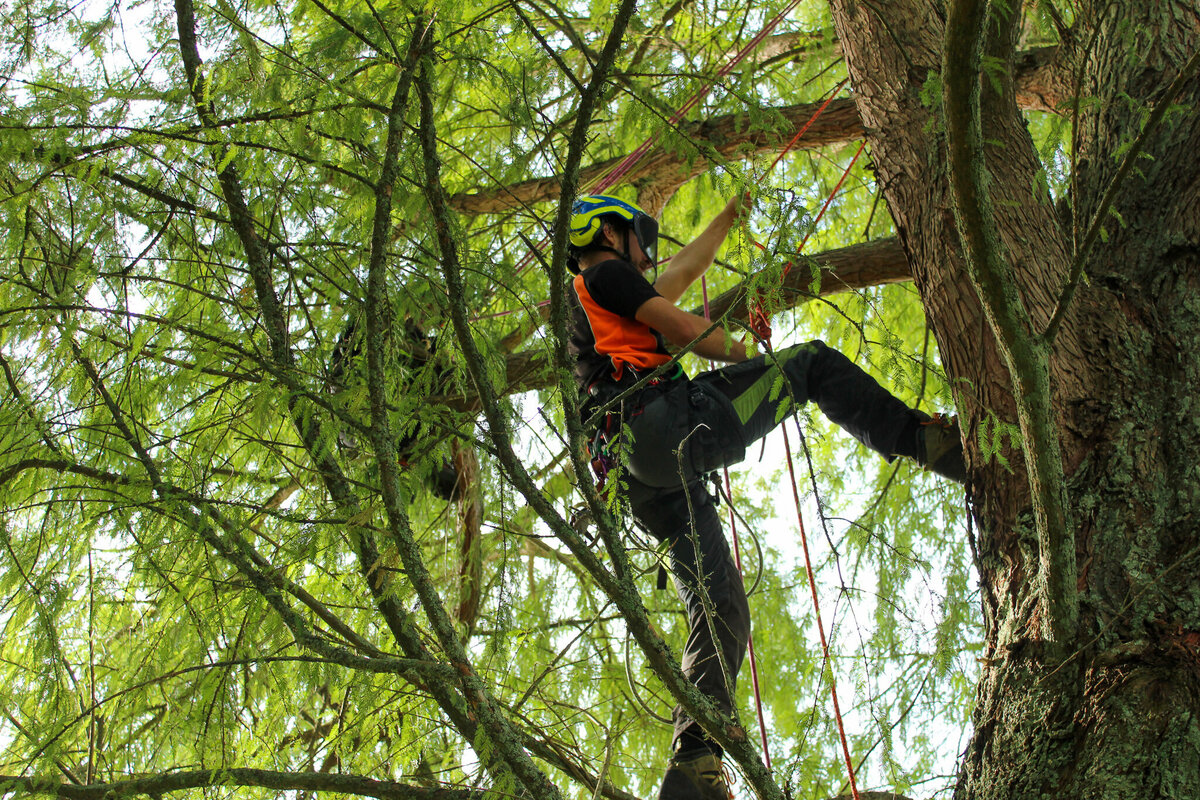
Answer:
(645, 228)
(584, 227)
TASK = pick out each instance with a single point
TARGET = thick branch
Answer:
(1026, 357)
(727, 136)
(845, 269)
(730, 136)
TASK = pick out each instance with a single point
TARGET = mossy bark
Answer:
(1114, 713)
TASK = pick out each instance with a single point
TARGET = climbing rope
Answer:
(761, 328)
(812, 580)
(812, 584)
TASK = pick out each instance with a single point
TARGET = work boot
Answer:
(941, 447)
(695, 775)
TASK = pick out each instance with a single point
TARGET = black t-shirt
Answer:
(606, 337)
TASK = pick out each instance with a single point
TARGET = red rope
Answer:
(808, 124)
(757, 317)
(812, 583)
(763, 330)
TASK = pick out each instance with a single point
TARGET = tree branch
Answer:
(504, 740)
(1156, 117)
(357, 785)
(237, 551)
(731, 136)
(1026, 358)
(309, 426)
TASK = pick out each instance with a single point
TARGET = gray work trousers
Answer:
(693, 427)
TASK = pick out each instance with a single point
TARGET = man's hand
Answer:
(739, 206)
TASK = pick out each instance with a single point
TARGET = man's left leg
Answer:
(710, 585)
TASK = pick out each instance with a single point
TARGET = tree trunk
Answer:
(1114, 714)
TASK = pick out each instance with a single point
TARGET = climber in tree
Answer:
(673, 430)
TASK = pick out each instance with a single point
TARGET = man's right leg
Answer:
(846, 394)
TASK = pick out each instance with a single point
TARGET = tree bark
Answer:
(1115, 714)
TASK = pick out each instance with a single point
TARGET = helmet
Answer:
(587, 218)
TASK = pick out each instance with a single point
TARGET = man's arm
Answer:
(681, 328)
(697, 256)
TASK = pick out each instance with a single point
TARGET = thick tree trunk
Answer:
(1115, 716)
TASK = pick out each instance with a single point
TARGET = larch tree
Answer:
(1073, 325)
(294, 492)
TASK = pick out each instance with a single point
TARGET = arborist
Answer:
(674, 430)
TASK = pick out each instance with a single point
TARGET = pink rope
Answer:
(626, 164)
(630, 160)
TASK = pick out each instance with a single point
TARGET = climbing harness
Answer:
(604, 446)
(601, 449)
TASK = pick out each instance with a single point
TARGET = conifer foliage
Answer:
(293, 499)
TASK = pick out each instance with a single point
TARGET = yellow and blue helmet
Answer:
(587, 218)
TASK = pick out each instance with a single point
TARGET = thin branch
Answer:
(1110, 195)
(345, 24)
(504, 738)
(550, 51)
